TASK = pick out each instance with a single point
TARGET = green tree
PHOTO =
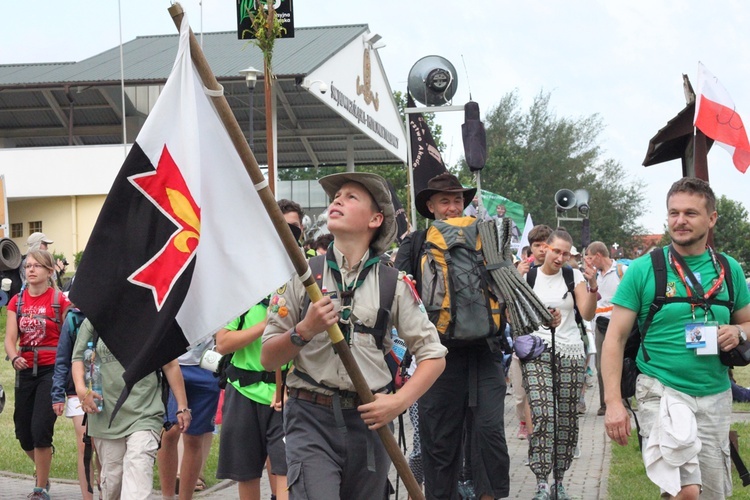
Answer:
(731, 230)
(533, 154)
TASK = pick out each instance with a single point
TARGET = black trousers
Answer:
(471, 387)
(33, 414)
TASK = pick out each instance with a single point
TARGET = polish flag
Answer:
(716, 116)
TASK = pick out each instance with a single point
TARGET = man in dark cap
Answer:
(470, 393)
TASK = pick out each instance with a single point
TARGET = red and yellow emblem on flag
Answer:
(167, 190)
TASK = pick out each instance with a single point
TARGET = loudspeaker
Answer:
(433, 81)
(582, 201)
(565, 199)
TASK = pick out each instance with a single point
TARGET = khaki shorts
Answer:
(713, 416)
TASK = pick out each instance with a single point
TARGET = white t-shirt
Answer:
(553, 293)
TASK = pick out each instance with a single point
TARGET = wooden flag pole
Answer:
(292, 248)
(269, 98)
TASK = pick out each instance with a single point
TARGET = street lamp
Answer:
(251, 77)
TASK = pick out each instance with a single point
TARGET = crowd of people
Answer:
(289, 406)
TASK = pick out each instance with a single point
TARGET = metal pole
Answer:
(410, 168)
(250, 137)
(293, 250)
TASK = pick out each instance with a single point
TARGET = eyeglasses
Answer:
(34, 266)
(557, 251)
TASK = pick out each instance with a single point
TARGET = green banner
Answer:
(513, 210)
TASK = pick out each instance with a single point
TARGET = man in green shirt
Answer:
(127, 448)
(676, 375)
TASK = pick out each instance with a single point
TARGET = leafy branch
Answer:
(266, 28)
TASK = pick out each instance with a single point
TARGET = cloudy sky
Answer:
(621, 60)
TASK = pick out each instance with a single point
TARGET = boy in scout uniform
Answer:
(331, 449)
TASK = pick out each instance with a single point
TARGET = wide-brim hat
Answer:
(443, 183)
(378, 189)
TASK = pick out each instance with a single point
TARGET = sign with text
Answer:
(247, 9)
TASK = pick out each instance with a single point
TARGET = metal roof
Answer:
(79, 103)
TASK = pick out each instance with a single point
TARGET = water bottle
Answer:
(87, 355)
(93, 375)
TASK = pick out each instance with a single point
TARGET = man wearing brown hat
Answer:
(470, 393)
(330, 449)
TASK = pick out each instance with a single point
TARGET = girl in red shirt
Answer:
(30, 342)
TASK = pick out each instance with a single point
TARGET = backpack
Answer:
(56, 318)
(454, 283)
(388, 277)
(227, 370)
(73, 320)
(567, 273)
(635, 339)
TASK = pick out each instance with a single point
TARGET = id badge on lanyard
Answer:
(703, 337)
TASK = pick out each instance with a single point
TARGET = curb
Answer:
(52, 480)
(224, 484)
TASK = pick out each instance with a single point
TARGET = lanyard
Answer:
(692, 286)
(346, 291)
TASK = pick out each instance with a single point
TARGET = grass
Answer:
(13, 458)
(627, 475)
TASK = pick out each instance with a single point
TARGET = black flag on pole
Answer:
(401, 221)
(426, 161)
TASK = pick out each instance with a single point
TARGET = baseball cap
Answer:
(35, 239)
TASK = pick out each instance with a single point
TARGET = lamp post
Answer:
(251, 77)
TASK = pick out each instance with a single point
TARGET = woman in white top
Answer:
(561, 390)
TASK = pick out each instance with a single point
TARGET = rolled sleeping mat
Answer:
(10, 255)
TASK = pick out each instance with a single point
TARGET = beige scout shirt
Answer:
(318, 359)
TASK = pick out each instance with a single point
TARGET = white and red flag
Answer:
(183, 243)
(716, 116)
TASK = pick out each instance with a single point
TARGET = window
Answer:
(35, 226)
(16, 230)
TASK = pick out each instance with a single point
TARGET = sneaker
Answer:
(576, 452)
(581, 408)
(523, 432)
(558, 492)
(39, 494)
(541, 493)
(601, 411)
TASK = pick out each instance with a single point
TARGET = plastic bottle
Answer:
(93, 373)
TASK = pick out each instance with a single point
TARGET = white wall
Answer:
(63, 171)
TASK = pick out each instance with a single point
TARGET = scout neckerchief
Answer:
(346, 291)
(692, 285)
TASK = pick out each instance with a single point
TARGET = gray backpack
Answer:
(455, 285)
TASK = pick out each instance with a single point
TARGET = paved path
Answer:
(586, 479)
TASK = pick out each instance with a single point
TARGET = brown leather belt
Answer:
(349, 400)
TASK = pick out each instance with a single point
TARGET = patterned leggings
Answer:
(415, 457)
(539, 385)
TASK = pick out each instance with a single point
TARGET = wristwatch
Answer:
(297, 339)
(743, 335)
